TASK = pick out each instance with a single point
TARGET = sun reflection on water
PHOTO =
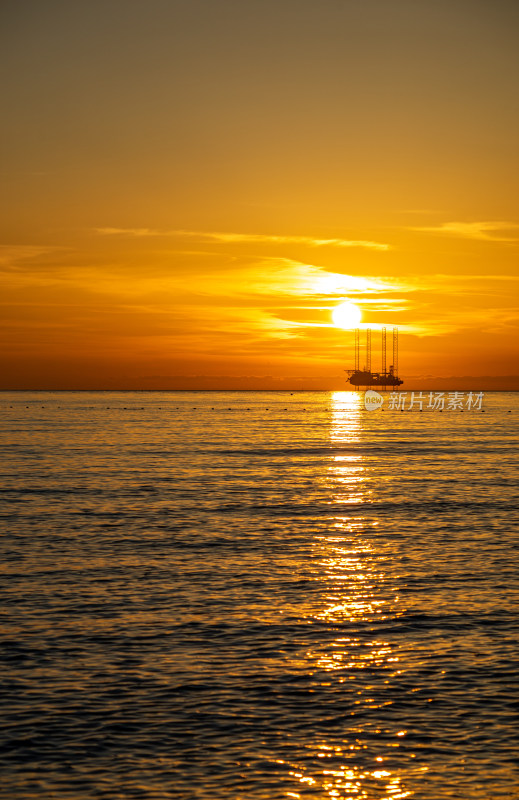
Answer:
(356, 784)
(346, 471)
(356, 594)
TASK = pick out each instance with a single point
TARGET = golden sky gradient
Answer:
(191, 186)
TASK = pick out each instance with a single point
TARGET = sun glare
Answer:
(347, 315)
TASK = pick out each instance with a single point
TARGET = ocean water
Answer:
(257, 596)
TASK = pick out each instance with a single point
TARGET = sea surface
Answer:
(255, 596)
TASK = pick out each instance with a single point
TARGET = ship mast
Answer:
(395, 352)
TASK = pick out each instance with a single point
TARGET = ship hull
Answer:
(374, 379)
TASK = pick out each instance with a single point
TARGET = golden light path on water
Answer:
(352, 568)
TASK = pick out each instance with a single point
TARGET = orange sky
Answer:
(191, 186)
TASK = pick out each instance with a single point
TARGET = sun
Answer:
(347, 315)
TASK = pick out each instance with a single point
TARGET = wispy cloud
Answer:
(290, 278)
(261, 297)
(482, 231)
(276, 297)
(252, 238)
(465, 286)
(130, 232)
(12, 254)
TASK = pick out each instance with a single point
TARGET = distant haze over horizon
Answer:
(505, 383)
(191, 187)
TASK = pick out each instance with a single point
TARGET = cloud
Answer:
(261, 297)
(129, 232)
(231, 238)
(284, 276)
(481, 231)
(245, 297)
(12, 254)
(465, 286)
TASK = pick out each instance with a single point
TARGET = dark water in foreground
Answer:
(257, 596)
